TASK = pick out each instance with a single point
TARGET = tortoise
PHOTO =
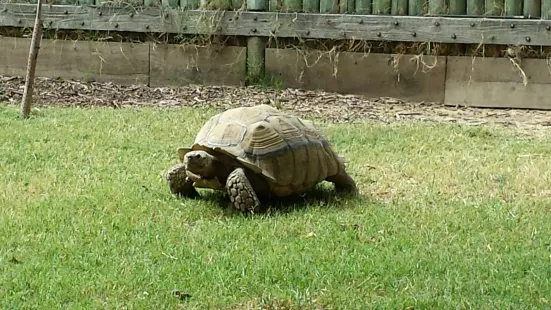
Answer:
(255, 153)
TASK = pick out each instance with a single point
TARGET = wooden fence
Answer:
(473, 8)
(503, 82)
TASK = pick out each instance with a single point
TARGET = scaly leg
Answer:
(343, 182)
(241, 192)
(179, 183)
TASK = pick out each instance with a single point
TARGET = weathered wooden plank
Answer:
(257, 5)
(363, 6)
(416, 7)
(437, 7)
(546, 9)
(292, 5)
(329, 6)
(495, 7)
(381, 7)
(395, 76)
(458, 7)
(328, 26)
(311, 6)
(187, 4)
(513, 7)
(346, 6)
(475, 7)
(532, 8)
(170, 3)
(256, 47)
(123, 63)
(241, 4)
(154, 3)
(399, 7)
(495, 82)
(275, 5)
(176, 65)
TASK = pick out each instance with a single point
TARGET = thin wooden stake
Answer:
(31, 64)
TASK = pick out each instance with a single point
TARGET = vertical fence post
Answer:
(437, 7)
(311, 6)
(346, 6)
(416, 7)
(532, 8)
(381, 7)
(399, 7)
(256, 46)
(329, 6)
(170, 3)
(363, 7)
(458, 7)
(513, 7)
(187, 4)
(495, 7)
(292, 5)
(475, 7)
(546, 9)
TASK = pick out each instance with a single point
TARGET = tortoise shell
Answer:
(288, 151)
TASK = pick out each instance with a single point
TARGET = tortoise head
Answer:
(200, 163)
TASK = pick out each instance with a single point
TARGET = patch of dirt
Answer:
(334, 107)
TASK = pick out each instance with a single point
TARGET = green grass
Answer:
(451, 217)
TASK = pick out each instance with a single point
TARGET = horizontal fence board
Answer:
(177, 65)
(122, 63)
(268, 24)
(496, 83)
(357, 73)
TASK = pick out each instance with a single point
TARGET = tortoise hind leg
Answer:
(241, 192)
(179, 183)
(343, 182)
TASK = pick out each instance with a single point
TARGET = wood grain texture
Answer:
(417, 7)
(292, 5)
(495, 82)
(458, 7)
(532, 8)
(399, 7)
(513, 7)
(175, 65)
(256, 47)
(329, 6)
(188, 4)
(362, 6)
(545, 9)
(437, 7)
(329, 26)
(121, 63)
(381, 7)
(311, 6)
(357, 73)
(475, 7)
(256, 5)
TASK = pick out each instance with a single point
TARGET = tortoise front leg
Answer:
(241, 192)
(343, 182)
(179, 183)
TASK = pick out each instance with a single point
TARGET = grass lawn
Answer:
(451, 217)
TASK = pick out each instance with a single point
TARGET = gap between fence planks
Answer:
(268, 24)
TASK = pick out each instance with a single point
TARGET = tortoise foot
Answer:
(344, 183)
(179, 183)
(241, 192)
